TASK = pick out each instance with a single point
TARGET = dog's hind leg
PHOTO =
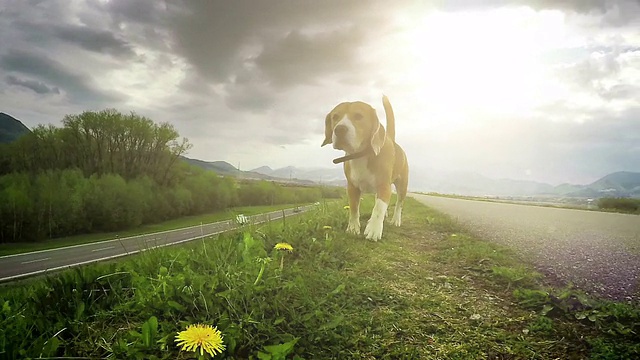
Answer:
(401, 188)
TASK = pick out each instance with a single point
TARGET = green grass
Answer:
(16, 248)
(426, 291)
(532, 203)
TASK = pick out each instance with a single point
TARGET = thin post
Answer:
(284, 219)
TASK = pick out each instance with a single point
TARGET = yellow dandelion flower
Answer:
(203, 337)
(327, 227)
(283, 246)
(346, 207)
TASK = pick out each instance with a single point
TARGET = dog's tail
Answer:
(391, 120)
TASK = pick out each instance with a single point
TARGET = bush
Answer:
(621, 204)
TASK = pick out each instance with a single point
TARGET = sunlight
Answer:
(483, 63)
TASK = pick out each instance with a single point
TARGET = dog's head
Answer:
(352, 127)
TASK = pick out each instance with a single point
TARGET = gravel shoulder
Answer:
(595, 251)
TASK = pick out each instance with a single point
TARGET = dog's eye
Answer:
(334, 116)
(357, 116)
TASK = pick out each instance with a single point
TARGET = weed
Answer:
(418, 293)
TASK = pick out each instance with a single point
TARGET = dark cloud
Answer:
(624, 12)
(610, 12)
(600, 73)
(217, 37)
(140, 22)
(139, 11)
(79, 88)
(579, 6)
(93, 40)
(37, 10)
(33, 29)
(236, 76)
(37, 86)
(249, 97)
(614, 13)
(303, 59)
(259, 49)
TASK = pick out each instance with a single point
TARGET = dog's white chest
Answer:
(361, 176)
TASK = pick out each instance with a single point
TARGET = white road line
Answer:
(122, 239)
(32, 261)
(23, 275)
(106, 248)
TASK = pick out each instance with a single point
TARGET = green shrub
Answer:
(621, 204)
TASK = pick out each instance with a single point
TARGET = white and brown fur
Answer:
(353, 127)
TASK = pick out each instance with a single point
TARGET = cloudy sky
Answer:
(542, 90)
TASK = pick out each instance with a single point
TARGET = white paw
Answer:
(373, 231)
(397, 217)
(354, 227)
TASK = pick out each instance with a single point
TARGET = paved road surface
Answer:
(38, 262)
(596, 251)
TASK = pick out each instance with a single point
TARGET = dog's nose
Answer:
(340, 130)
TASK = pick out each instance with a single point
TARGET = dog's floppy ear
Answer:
(328, 131)
(378, 135)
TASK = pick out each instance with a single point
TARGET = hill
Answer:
(11, 128)
(473, 184)
(328, 176)
(618, 184)
(226, 169)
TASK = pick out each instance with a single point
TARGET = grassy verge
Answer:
(16, 248)
(426, 291)
(534, 203)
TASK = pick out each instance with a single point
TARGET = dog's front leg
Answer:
(373, 231)
(354, 209)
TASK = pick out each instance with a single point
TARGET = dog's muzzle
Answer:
(340, 141)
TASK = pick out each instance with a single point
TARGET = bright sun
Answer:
(471, 64)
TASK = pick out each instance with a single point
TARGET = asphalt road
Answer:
(39, 262)
(596, 251)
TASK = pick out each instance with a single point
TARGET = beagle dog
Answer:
(372, 162)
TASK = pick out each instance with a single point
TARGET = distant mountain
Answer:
(620, 181)
(564, 189)
(226, 169)
(329, 176)
(473, 184)
(618, 184)
(624, 184)
(265, 170)
(223, 168)
(11, 128)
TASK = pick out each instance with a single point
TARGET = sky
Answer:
(537, 90)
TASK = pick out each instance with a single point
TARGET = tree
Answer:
(16, 207)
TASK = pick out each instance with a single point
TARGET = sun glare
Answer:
(486, 64)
